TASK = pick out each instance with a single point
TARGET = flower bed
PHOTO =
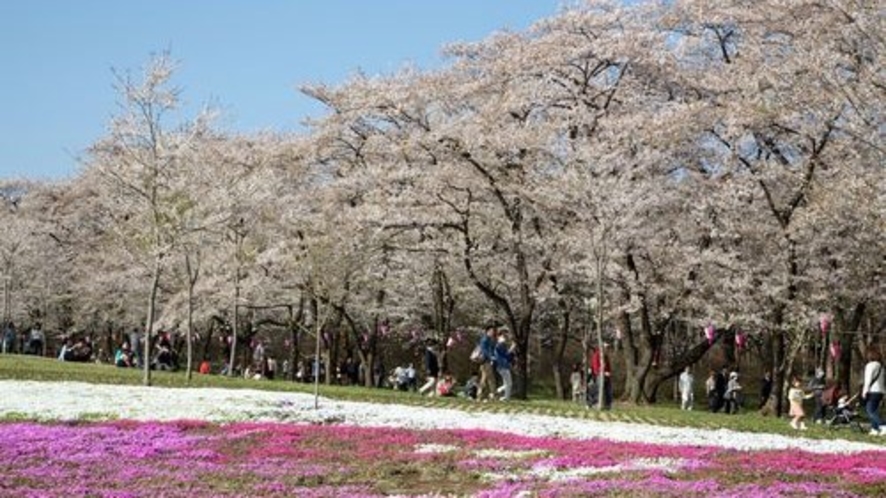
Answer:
(180, 458)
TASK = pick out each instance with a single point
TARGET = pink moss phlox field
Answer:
(194, 459)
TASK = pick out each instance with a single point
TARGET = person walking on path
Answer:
(873, 388)
(686, 385)
(710, 386)
(603, 362)
(765, 389)
(504, 354)
(816, 386)
(721, 383)
(796, 395)
(486, 390)
(432, 370)
(733, 394)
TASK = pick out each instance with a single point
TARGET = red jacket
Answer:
(595, 363)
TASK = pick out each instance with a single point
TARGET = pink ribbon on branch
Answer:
(836, 350)
(710, 333)
(824, 323)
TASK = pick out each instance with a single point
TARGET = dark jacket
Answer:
(502, 356)
(432, 366)
(487, 345)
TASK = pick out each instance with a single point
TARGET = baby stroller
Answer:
(844, 414)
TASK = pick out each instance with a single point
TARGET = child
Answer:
(578, 393)
(796, 395)
(446, 385)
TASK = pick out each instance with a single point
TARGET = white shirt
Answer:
(871, 385)
(686, 381)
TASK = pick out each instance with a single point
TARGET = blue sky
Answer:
(247, 57)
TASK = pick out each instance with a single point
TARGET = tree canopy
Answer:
(666, 166)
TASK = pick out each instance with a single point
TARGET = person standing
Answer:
(603, 362)
(686, 385)
(137, 346)
(816, 386)
(270, 367)
(258, 358)
(432, 370)
(710, 386)
(873, 388)
(503, 356)
(732, 398)
(36, 342)
(487, 373)
(765, 389)
(720, 385)
(9, 335)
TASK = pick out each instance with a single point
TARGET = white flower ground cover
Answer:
(76, 400)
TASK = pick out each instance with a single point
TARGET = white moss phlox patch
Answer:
(510, 454)
(435, 448)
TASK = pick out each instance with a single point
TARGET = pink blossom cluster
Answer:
(139, 459)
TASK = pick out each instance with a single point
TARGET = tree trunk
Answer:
(563, 392)
(849, 325)
(149, 321)
(672, 368)
(444, 304)
(294, 337)
(639, 357)
(235, 327)
(192, 281)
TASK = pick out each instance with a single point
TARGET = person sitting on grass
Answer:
(80, 351)
(163, 360)
(123, 357)
(205, 367)
(66, 348)
(399, 379)
(446, 386)
(471, 387)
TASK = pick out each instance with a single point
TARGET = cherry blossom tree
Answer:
(137, 163)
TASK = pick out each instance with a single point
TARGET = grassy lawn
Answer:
(668, 413)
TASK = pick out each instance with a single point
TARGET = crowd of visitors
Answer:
(13, 341)
(490, 377)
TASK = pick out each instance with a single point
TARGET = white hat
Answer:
(733, 375)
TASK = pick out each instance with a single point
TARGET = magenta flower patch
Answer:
(194, 459)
